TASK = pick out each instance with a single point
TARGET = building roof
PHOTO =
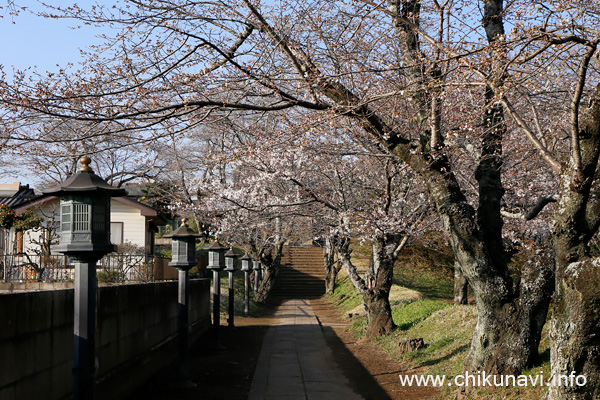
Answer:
(13, 194)
(145, 210)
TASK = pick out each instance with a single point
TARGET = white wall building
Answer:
(131, 222)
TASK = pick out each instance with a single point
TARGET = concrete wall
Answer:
(17, 287)
(136, 336)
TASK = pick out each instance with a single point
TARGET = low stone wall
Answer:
(136, 336)
(14, 287)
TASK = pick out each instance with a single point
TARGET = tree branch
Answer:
(542, 202)
(575, 145)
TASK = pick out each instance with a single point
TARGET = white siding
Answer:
(50, 209)
(134, 224)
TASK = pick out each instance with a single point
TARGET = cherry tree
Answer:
(334, 175)
(51, 152)
(332, 57)
(403, 72)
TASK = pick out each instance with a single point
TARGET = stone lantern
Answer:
(231, 263)
(216, 262)
(183, 247)
(216, 256)
(85, 212)
(84, 237)
(183, 257)
(231, 267)
(246, 268)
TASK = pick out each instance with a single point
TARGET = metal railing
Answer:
(57, 268)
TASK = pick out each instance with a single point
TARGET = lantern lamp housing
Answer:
(183, 247)
(85, 212)
(216, 256)
(231, 261)
(246, 263)
(257, 265)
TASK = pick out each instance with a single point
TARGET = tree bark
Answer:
(461, 286)
(379, 314)
(575, 345)
(331, 266)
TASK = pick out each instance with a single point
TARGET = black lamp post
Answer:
(85, 237)
(216, 262)
(246, 268)
(231, 267)
(183, 257)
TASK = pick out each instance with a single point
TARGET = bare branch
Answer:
(575, 147)
(545, 153)
(542, 202)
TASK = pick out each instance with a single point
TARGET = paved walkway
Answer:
(295, 362)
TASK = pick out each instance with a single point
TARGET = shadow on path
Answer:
(359, 377)
(228, 373)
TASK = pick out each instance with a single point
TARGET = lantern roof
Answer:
(246, 257)
(216, 246)
(85, 180)
(183, 231)
(230, 253)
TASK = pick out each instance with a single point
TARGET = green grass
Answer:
(445, 328)
(447, 333)
(428, 271)
(238, 294)
(432, 284)
(345, 294)
(408, 315)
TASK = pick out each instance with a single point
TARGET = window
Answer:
(65, 217)
(116, 232)
(81, 217)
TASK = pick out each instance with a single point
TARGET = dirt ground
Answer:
(226, 373)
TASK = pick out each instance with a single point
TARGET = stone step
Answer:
(302, 274)
(299, 276)
(300, 269)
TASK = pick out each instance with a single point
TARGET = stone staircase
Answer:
(302, 273)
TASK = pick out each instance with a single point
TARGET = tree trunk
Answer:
(575, 346)
(266, 284)
(500, 343)
(507, 334)
(271, 262)
(461, 286)
(575, 325)
(379, 314)
(375, 287)
(331, 266)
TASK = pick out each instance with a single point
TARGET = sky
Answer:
(27, 40)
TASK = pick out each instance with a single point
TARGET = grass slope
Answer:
(445, 328)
